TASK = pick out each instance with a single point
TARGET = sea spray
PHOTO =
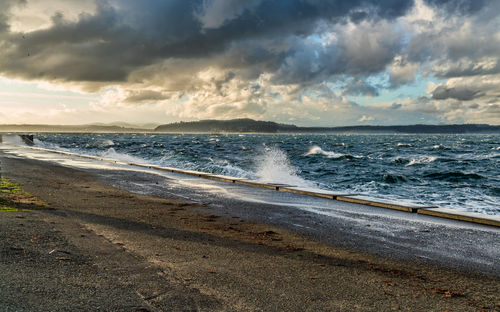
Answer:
(274, 167)
(112, 154)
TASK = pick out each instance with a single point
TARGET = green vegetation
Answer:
(13, 198)
(8, 187)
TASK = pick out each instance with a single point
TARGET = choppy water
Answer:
(455, 171)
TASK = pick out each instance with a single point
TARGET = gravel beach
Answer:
(98, 248)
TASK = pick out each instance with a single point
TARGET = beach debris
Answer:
(313, 277)
(210, 271)
(187, 279)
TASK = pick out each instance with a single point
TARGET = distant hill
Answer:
(233, 125)
(247, 126)
(70, 128)
(250, 125)
(411, 129)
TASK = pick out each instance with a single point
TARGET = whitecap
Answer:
(316, 150)
(422, 160)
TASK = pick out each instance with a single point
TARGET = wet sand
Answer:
(101, 248)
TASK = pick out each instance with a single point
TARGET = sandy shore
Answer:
(101, 248)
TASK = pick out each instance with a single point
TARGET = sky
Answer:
(304, 62)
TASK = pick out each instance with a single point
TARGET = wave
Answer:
(111, 153)
(273, 166)
(224, 167)
(106, 143)
(454, 176)
(421, 160)
(316, 150)
(392, 178)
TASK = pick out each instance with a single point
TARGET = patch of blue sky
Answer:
(412, 90)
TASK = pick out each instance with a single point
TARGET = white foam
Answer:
(316, 150)
(422, 160)
(111, 153)
(12, 139)
(106, 143)
(275, 167)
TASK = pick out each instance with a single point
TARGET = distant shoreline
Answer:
(249, 126)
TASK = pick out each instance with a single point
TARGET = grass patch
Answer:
(13, 198)
(8, 208)
(8, 187)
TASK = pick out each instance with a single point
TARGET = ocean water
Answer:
(454, 171)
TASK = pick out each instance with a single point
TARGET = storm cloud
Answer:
(259, 57)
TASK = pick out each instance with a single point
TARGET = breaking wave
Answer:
(316, 150)
(422, 160)
(274, 166)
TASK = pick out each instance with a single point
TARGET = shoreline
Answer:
(407, 206)
(216, 261)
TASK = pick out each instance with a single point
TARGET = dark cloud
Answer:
(5, 6)
(459, 6)
(359, 87)
(461, 94)
(125, 35)
(468, 67)
(356, 52)
(145, 96)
